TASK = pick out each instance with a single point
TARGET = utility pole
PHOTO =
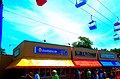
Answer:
(1, 17)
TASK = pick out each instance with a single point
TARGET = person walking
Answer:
(77, 74)
(29, 75)
(104, 75)
(54, 74)
(88, 74)
(37, 75)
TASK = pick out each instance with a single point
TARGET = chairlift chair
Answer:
(116, 29)
(41, 2)
(80, 3)
(116, 37)
(117, 23)
(92, 24)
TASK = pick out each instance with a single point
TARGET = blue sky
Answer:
(59, 22)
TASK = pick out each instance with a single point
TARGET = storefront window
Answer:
(58, 71)
(73, 71)
(36, 69)
(47, 72)
(42, 72)
(67, 71)
(78, 53)
(30, 70)
(63, 71)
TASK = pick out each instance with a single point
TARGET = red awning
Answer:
(86, 63)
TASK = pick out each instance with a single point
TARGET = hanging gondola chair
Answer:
(80, 3)
(41, 2)
(116, 37)
(117, 29)
(117, 23)
(92, 24)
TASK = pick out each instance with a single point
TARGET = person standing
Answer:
(88, 74)
(104, 75)
(29, 75)
(101, 73)
(54, 74)
(77, 74)
(37, 76)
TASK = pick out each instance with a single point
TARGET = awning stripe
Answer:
(86, 63)
(109, 62)
(27, 62)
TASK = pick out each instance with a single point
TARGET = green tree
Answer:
(115, 50)
(83, 42)
(104, 49)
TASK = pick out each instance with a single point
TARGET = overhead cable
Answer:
(107, 8)
(40, 22)
(89, 13)
(100, 13)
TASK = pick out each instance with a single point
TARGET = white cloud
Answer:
(13, 38)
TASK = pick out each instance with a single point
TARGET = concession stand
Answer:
(32, 56)
(85, 60)
(109, 62)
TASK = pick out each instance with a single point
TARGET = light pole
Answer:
(1, 17)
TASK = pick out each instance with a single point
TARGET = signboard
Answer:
(16, 53)
(111, 56)
(43, 50)
(87, 54)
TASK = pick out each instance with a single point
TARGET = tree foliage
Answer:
(83, 42)
(115, 50)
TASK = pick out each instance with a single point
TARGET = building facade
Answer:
(30, 56)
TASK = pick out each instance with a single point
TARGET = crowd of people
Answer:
(30, 75)
(94, 74)
(78, 74)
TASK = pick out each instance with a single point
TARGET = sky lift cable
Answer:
(90, 13)
(93, 16)
(115, 24)
(52, 25)
(40, 22)
(100, 13)
(95, 10)
(107, 8)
